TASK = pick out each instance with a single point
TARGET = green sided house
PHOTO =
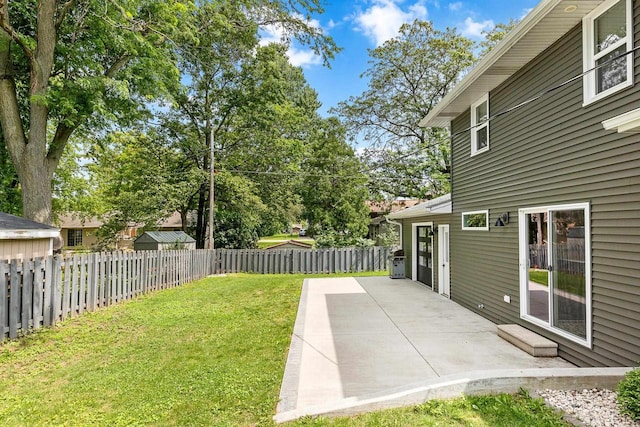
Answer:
(544, 226)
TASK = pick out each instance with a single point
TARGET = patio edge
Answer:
(290, 380)
(470, 383)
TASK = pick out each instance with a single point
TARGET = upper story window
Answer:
(607, 34)
(480, 125)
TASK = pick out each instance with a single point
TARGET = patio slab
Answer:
(359, 342)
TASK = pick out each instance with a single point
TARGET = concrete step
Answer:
(529, 341)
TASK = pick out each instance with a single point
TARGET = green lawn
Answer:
(572, 283)
(208, 353)
(267, 241)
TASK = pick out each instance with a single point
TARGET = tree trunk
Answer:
(35, 176)
(33, 164)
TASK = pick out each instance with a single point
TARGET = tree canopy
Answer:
(70, 64)
(407, 75)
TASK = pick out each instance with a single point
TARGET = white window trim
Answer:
(588, 60)
(475, 127)
(524, 256)
(486, 212)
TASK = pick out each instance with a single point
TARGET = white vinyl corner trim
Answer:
(627, 122)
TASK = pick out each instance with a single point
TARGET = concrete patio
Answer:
(367, 343)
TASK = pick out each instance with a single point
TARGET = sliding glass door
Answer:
(555, 269)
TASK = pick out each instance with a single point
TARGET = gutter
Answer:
(528, 22)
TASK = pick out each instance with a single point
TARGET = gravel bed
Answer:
(592, 407)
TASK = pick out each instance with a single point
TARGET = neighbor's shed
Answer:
(24, 239)
(164, 240)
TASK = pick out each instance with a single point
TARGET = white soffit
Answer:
(439, 205)
(542, 27)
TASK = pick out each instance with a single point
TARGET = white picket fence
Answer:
(44, 291)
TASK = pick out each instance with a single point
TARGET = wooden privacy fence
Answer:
(44, 291)
(569, 258)
(335, 260)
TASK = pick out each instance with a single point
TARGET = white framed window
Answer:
(555, 269)
(607, 33)
(475, 220)
(74, 237)
(480, 125)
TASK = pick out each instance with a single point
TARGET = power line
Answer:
(546, 92)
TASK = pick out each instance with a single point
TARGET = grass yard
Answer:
(267, 241)
(208, 353)
(572, 283)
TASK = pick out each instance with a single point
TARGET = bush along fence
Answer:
(44, 291)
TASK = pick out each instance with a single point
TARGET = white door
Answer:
(444, 278)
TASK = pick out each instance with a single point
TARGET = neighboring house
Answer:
(378, 210)
(290, 244)
(545, 221)
(164, 240)
(24, 239)
(82, 234)
(78, 233)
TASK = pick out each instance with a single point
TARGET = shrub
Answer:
(629, 394)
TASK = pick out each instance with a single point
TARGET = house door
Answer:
(444, 278)
(424, 249)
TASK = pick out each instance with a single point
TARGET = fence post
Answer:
(14, 300)
(4, 296)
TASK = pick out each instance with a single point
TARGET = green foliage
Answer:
(139, 180)
(493, 37)
(408, 75)
(113, 62)
(629, 394)
(238, 212)
(389, 235)
(10, 196)
(334, 188)
(333, 239)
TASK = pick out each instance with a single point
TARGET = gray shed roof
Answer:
(168, 236)
(15, 227)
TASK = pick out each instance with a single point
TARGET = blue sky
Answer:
(359, 25)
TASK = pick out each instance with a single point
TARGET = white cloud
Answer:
(472, 28)
(382, 20)
(454, 7)
(302, 58)
(297, 57)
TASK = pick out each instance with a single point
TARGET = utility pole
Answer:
(211, 192)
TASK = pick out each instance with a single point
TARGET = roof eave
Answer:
(439, 116)
(28, 234)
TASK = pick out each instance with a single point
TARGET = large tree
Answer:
(407, 75)
(236, 95)
(70, 63)
(334, 188)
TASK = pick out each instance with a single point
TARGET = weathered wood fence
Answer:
(335, 260)
(44, 291)
(568, 258)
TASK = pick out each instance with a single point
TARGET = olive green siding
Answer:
(408, 244)
(553, 151)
